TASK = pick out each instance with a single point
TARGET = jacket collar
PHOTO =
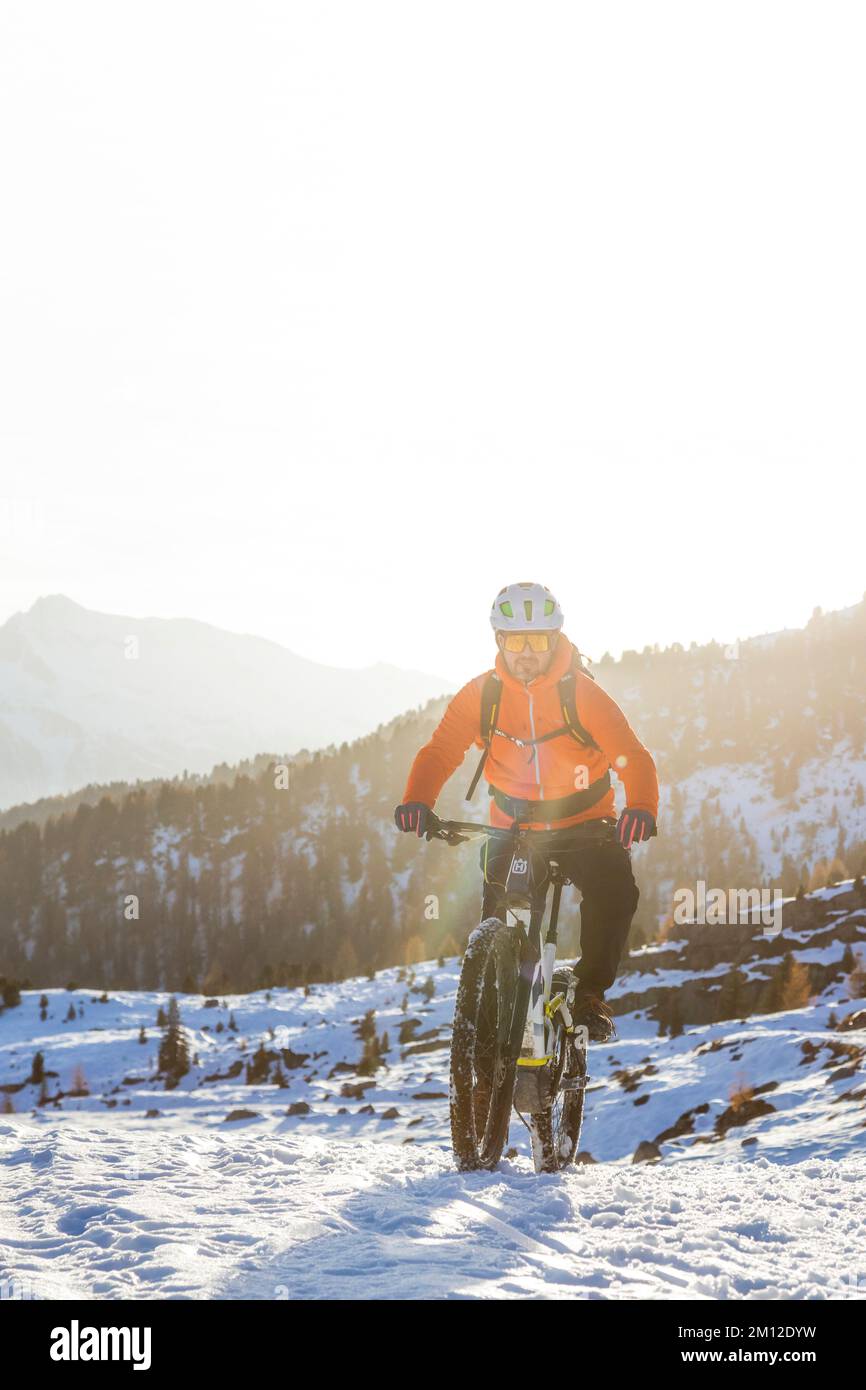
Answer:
(554, 673)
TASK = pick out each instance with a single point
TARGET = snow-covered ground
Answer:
(108, 1211)
(356, 1196)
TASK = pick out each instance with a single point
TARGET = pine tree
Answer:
(259, 1066)
(675, 1016)
(414, 950)
(662, 1011)
(346, 965)
(79, 1083)
(730, 1003)
(174, 1049)
(37, 1071)
(794, 989)
(371, 1057)
(857, 982)
(10, 993)
(366, 1027)
(142, 1036)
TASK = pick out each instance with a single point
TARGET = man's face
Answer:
(526, 664)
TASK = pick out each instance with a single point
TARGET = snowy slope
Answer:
(827, 788)
(348, 1199)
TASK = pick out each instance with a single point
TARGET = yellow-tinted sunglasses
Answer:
(516, 641)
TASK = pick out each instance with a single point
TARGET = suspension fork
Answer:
(529, 1024)
(529, 982)
(549, 952)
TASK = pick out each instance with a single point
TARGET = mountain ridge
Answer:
(90, 697)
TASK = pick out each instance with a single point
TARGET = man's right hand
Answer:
(413, 816)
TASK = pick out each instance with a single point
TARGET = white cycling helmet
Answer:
(525, 608)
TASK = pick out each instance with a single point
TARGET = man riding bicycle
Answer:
(551, 736)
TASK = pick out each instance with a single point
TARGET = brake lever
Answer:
(436, 831)
(452, 837)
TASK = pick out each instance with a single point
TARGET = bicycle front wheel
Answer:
(482, 1076)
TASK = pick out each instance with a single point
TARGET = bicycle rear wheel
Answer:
(482, 1077)
(555, 1131)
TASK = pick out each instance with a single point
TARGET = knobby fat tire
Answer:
(487, 988)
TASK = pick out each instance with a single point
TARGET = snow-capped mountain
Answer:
(306, 1152)
(98, 697)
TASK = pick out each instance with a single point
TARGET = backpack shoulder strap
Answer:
(491, 696)
(568, 701)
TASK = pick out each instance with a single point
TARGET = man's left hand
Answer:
(635, 826)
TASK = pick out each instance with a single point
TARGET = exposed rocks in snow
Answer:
(354, 1090)
(294, 1059)
(415, 1048)
(747, 1106)
(646, 1152)
(684, 1125)
(234, 1070)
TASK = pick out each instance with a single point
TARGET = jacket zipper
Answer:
(535, 756)
(535, 750)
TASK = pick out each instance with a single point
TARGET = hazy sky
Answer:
(324, 321)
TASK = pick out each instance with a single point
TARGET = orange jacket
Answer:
(544, 771)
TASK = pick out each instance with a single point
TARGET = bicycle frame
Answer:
(529, 1042)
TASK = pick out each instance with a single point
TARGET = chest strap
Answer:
(559, 808)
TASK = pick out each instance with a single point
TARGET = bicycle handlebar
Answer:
(456, 832)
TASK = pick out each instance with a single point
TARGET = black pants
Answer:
(603, 874)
